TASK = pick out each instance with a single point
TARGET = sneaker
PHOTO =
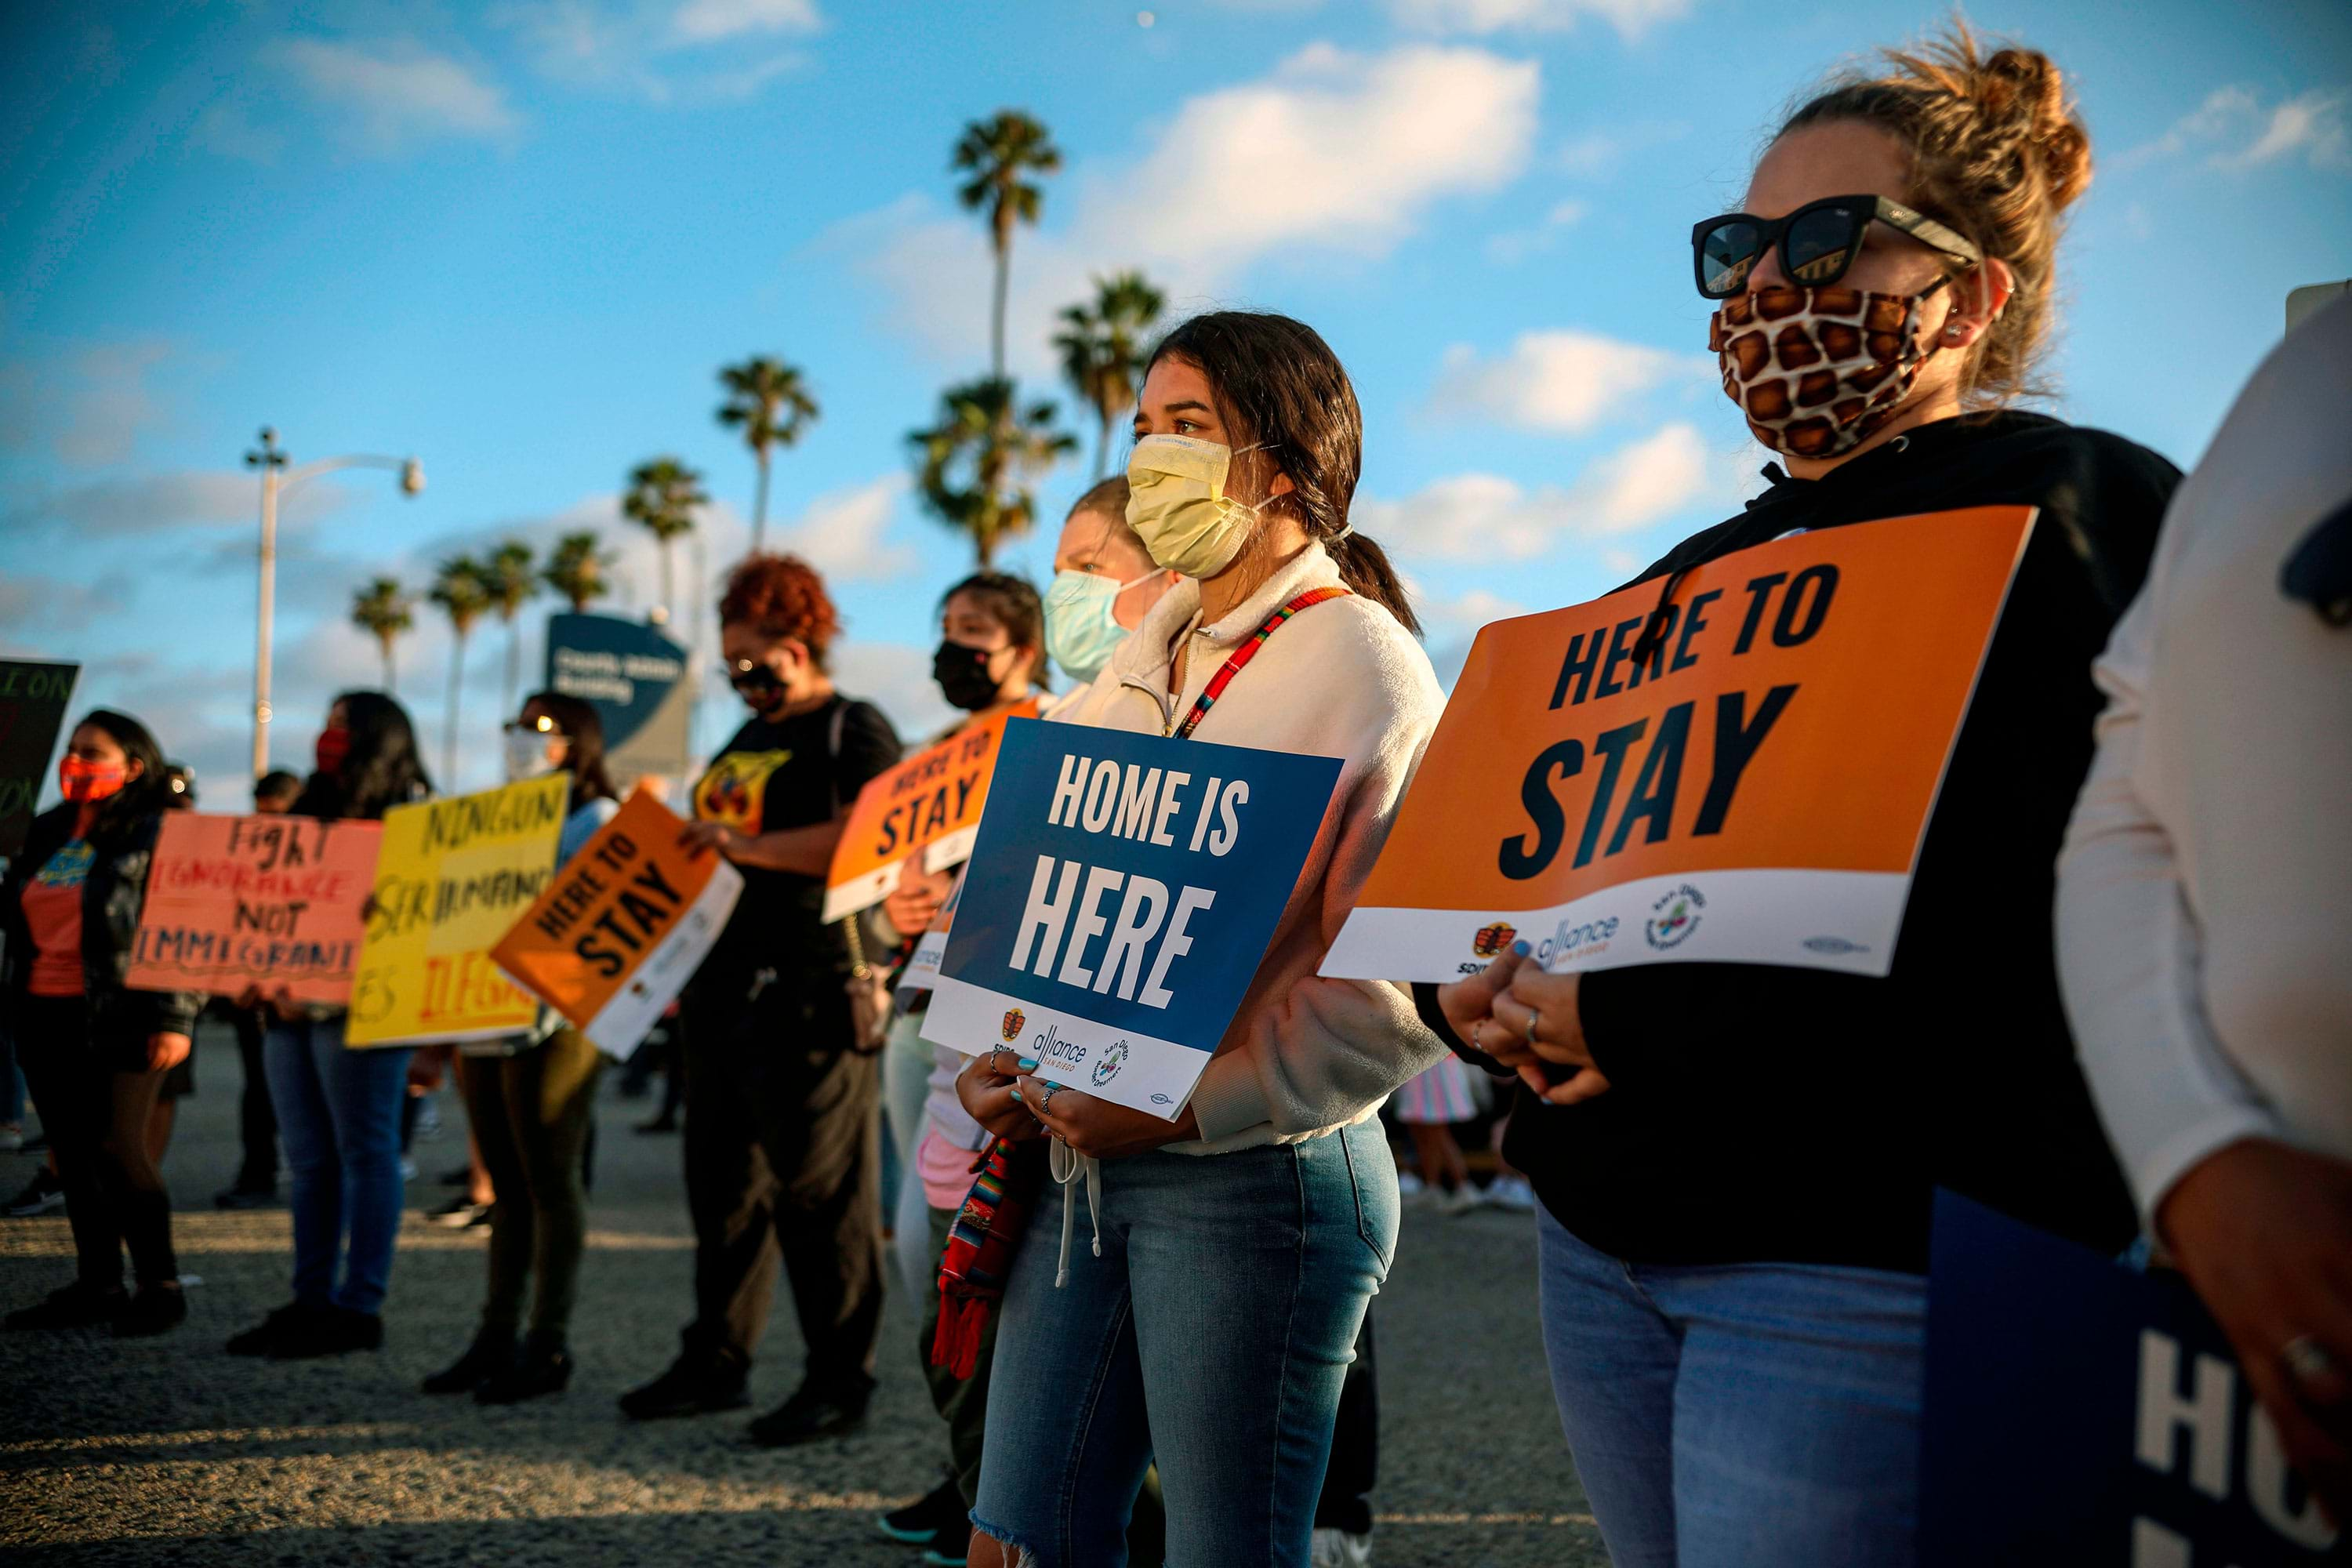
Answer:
(155, 1310)
(813, 1412)
(41, 1195)
(543, 1367)
(1513, 1193)
(1410, 1185)
(923, 1522)
(329, 1330)
(257, 1341)
(459, 1213)
(489, 1355)
(940, 1555)
(244, 1197)
(1459, 1202)
(1338, 1549)
(692, 1386)
(76, 1306)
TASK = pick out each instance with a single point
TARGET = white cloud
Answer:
(706, 21)
(1488, 518)
(1632, 18)
(896, 679)
(2235, 131)
(1451, 625)
(149, 504)
(89, 408)
(1333, 153)
(1561, 381)
(397, 93)
(841, 533)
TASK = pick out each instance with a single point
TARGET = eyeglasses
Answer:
(749, 676)
(1818, 241)
(543, 725)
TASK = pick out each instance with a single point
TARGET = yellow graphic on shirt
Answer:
(734, 792)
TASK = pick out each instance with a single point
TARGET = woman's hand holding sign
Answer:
(991, 1097)
(1097, 1128)
(1524, 1019)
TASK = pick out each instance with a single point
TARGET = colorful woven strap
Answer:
(1244, 654)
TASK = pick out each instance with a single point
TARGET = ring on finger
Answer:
(2308, 1362)
(1534, 1015)
(1045, 1099)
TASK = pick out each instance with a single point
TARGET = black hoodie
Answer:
(1760, 1113)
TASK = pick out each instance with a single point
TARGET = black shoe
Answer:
(692, 1386)
(460, 1213)
(813, 1413)
(257, 1341)
(77, 1306)
(544, 1367)
(41, 1195)
(244, 1197)
(491, 1353)
(462, 1176)
(156, 1309)
(329, 1330)
(927, 1520)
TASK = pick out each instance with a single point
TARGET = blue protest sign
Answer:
(2081, 1411)
(1122, 889)
(637, 680)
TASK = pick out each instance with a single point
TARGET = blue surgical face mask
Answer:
(1081, 622)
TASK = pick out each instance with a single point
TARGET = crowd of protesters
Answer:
(1730, 1166)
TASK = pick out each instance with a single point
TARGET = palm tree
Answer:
(510, 577)
(661, 496)
(1102, 349)
(975, 464)
(999, 154)
(768, 400)
(384, 610)
(578, 570)
(459, 589)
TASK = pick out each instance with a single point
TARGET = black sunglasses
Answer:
(1818, 241)
(747, 676)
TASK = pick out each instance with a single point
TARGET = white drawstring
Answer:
(1068, 1166)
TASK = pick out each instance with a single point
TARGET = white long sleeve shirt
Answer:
(1305, 1056)
(2205, 891)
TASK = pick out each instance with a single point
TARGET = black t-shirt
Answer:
(1761, 1113)
(773, 776)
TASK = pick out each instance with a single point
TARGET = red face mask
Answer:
(85, 782)
(334, 745)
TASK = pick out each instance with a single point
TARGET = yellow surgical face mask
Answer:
(1178, 506)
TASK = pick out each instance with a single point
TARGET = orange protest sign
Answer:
(233, 901)
(622, 927)
(1753, 788)
(928, 804)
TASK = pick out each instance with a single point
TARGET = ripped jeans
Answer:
(1212, 1335)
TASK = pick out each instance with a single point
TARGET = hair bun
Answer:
(2025, 88)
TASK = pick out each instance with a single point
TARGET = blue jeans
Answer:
(1741, 1415)
(1213, 1334)
(338, 1116)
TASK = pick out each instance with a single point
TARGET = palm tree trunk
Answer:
(383, 646)
(759, 508)
(514, 660)
(996, 317)
(1102, 447)
(449, 727)
(667, 594)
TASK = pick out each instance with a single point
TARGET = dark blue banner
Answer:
(638, 682)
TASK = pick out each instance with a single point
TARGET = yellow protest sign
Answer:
(452, 878)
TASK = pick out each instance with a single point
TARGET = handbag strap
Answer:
(1240, 657)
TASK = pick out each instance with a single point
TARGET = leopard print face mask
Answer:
(1817, 370)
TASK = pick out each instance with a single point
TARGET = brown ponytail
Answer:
(1997, 151)
(1278, 387)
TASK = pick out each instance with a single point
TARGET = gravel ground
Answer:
(168, 1450)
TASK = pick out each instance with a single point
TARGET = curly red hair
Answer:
(781, 596)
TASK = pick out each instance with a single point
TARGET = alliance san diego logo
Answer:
(1673, 918)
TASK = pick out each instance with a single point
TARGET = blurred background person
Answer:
(783, 1141)
(339, 1109)
(531, 1100)
(95, 1051)
(257, 1123)
(2202, 917)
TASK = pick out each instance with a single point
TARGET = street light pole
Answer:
(276, 480)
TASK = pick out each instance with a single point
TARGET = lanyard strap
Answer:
(1244, 654)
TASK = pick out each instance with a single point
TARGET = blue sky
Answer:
(517, 239)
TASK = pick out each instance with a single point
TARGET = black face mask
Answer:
(963, 678)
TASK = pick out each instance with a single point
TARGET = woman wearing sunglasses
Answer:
(1736, 1161)
(783, 1144)
(531, 1100)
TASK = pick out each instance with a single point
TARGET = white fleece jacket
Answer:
(1305, 1056)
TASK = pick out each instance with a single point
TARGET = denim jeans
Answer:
(1213, 1334)
(338, 1116)
(1742, 1416)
